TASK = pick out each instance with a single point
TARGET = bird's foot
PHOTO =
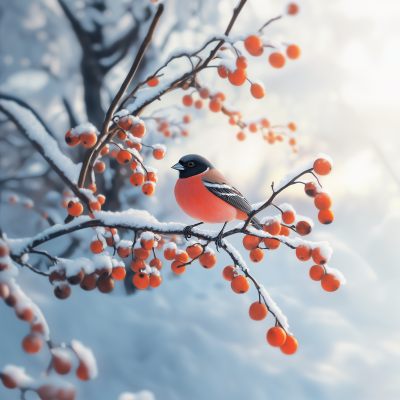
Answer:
(187, 230)
(218, 241)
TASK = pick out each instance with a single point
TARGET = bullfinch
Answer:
(206, 195)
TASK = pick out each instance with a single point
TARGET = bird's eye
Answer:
(190, 164)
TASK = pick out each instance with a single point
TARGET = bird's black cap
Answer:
(191, 165)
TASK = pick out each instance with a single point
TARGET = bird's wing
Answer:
(218, 185)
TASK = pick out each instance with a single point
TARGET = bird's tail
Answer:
(257, 224)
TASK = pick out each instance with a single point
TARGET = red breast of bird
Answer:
(199, 203)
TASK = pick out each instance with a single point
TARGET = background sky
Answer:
(192, 337)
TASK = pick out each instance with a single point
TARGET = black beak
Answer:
(178, 167)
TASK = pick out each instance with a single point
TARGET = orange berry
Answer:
(272, 244)
(284, 231)
(215, 105)
(155, 281)
(277, 60)
(317, 257)
(288, 217)
(138, 129)
(198, 104)
(258, 311)
(237, 77)
(82, 372)
(99, 167)
(181, 256)
(187, 100)
(44, 214)
(147, 244)
(134, 164)
(136, 179)
(303, 252)
(265, 123)
(272, 226)
(75, 209)
(257, 91)
(118, 273)
(101, 199)
(125, 123)
(222, 72)
(112, 230)
(229, 273)
(290, 346)
(323, 201)
(311, 189)
(57, 276)
(61, 365)
(186, 119)
(251, 242)
(124, 157)
(208, 260)
(256, 255)
(104, 151)
(241, 63)
(124, 252)
(185, 133)
(153, 82)
(204, 93)
(292, 142)
(316, 272)
(92, 187)
(89, 282)
(279, 138)
(292, 126)
(292, 9)
(121, 135)
(72, 140)
(95, 205)
(152, 177)
(329, 283)
(326, 217)
(141, 253)
(66, 394)
(96, 247)
(232, 121)
(77, 278)
(148, 189)
(303, 228)
(88, 139)
(241, 136)
(32, 343)
(219, 96)
(169, 254)
(253, 45)
(194, 250)
(25, 315)
(276, 336)
(322, 166)
(158, 154)
(137, 265)
(156, 263)
(4, 249)
(293, 51)
(105, 284)
(253, 128)
(8, 381)
(178, 267)
(141, 280)
(240, 284)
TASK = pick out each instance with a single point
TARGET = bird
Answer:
(206, 195)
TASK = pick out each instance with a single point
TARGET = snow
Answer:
(147, 236)
(125, 244)
(159, 146)
(84, 128)
(275, 309)
(37, 133)
(142, 395)
(18, 374)
(86, 356)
